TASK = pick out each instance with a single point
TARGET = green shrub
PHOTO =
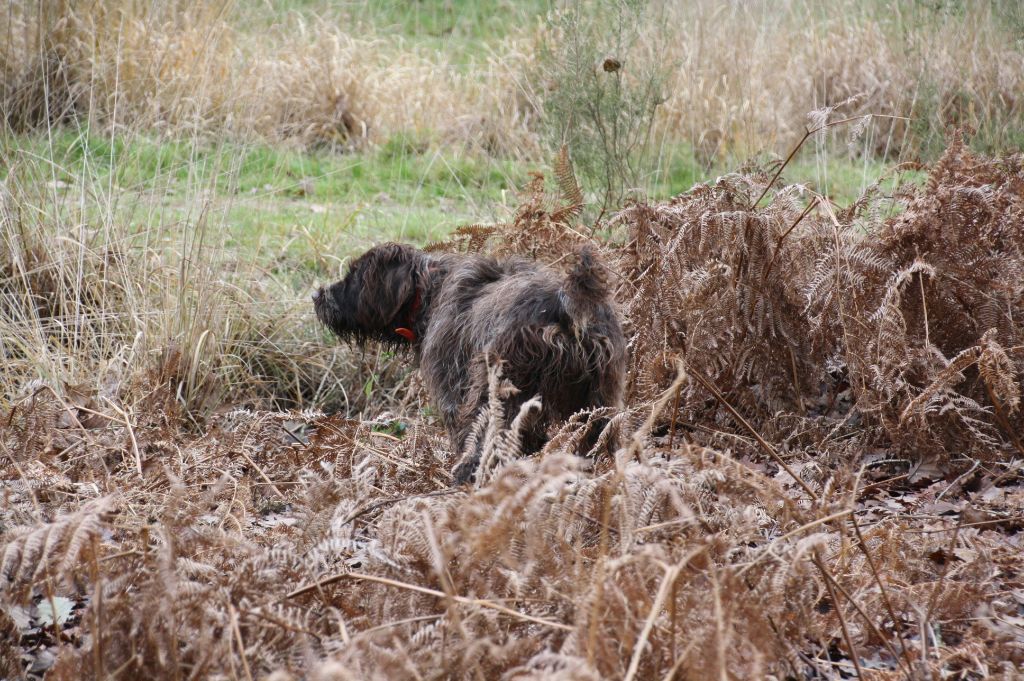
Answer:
(599, 89)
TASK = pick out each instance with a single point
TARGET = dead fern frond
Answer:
(51, 551)
(566, 177)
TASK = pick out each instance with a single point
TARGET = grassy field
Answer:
(268, 198)
(818, 471)
(302, 203)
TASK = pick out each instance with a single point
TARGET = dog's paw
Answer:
(465, 471)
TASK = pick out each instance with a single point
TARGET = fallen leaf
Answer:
(59, 609)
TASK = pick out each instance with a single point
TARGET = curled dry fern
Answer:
(50, 552)
(840, 340)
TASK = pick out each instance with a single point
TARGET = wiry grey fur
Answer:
(555, 337)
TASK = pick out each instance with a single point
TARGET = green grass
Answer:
(302, 213)
(276, 202)
(454, 20)
(837, 175)
(399, 168)
(844, 180)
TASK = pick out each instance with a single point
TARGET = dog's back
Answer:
(555, 338)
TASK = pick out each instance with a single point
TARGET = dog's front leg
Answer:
(465, 470)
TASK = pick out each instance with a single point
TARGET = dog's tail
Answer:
(585, 288)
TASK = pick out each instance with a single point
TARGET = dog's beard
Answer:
(331, 315)
(328, 313)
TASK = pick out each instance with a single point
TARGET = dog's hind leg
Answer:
(464, 470)
(501, 421)
(467, 424)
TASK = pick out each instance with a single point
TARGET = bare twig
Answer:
(238, 639)
(757, 436)
(896, 623)
(667, 585)
(424, 590)
(806, 526)
(131, 433)
(864, 616)
(270, 483)
(394, 500)
(829, 584)
(1000, 415)
(782, 237)
(675, 414)
(807, 135)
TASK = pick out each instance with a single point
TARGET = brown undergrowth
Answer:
(818, 475)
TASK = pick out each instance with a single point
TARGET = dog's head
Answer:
(378, 299)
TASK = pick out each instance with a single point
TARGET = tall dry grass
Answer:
(740, 75)
(188, 68)
(746, 72)
(140, 297)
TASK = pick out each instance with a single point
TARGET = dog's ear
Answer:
(396, 282)
(400, 285)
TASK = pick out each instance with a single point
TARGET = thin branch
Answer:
(261, 473)
(839, 611)
(667, 586)
(1001, 419)
(394, 500)
(806, 526)
(807, 134)
(897, 625)
(131, 433)
(864, 616)
(483, 603)
(782, 237)
(757, 436)
(241, 643)
(667, 581)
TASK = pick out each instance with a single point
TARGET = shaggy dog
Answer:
(556, 338)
